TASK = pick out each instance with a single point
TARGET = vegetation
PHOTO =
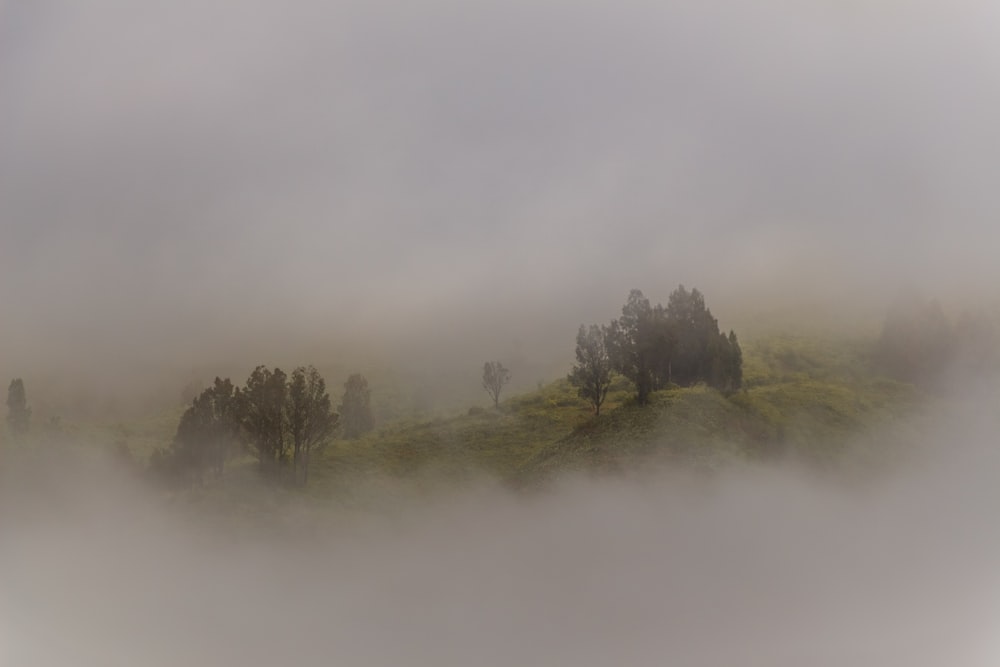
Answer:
(268, 416)
(920, 343)
(681, 344)
(658, 385)
(592, 373)
(18, 412)
(495, 376)
(355, 408)
(311, 422)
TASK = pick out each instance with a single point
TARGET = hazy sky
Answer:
(180, 179)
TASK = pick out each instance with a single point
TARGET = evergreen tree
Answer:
(311, 422)
(592, 373)
(18, 412)
(206, 434)
(261, 411)
(680, 344)
(355, 407)
(631, 342)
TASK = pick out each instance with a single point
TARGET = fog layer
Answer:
(219, 179)
(766, 567)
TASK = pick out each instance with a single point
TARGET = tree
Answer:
(495, 376)
(592, 373)
(261, 411)
(18, 412)
(696, 331)
(311, 422)
(631, 346)
(355, 407)
(655, 347)
(206, 434)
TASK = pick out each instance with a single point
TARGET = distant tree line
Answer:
(920, 344)
(655, 347)
(282, 421)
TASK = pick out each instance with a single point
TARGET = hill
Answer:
(805, 398)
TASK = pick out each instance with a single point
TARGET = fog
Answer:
(185, 183)
(190, 188)
(754, 566)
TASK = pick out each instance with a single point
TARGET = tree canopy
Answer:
(656, 346)
(591, 374)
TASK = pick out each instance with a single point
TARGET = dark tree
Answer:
(655, 347)
(355, 407)
(696, 331)
(495, 376)
(592, 373)
(207, 433)
(261, 410)
(311, 422)
(18, 412)
(631, 344)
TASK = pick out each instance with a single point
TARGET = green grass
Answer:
(807, 398)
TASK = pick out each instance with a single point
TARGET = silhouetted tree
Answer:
(311, 422)
(18, 412)
(356, 415)
(261, 410)
(592, 373)
(631, 345)
(207, 432)
(655, 347)
(495, 376)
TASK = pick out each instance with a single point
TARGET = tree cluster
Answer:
(920, 344)
(281, 420)
(657, 346)
(18, 412)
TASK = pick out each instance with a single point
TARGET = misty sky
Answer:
(188, 177)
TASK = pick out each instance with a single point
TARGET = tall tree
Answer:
(261, 410)
(311, 422)
(18, 412)
(495, 376)
(631, 344)
(592, 373)
(356, 408)
(696, 330)
(207, 432)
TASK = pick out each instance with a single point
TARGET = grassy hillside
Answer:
(804, 398)
(807, 398)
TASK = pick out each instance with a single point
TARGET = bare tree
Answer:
(495, 376)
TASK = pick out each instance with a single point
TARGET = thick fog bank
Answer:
(195, 183)
(757, 566)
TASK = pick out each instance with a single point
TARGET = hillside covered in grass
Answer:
(804, 398)
(808, 399)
